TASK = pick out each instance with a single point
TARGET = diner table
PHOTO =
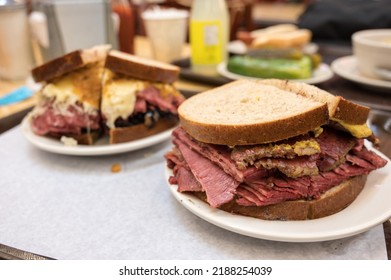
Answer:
(55, 206)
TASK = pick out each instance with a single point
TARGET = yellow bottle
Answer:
(209, 29)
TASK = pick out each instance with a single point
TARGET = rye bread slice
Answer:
(245, 112)
(141, 68)
(339, 108)
(69, 62)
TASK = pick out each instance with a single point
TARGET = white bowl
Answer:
(372, 49)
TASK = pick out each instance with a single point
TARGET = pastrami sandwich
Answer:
(69, 101)
(88, 92)
(138, 97)
(272, 149)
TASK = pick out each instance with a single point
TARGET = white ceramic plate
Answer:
(102, 147)
(238, 47)
(371, 207)
(321, 74)
(346, 67)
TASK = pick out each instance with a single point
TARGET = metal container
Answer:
(62, 26)
(15, 43)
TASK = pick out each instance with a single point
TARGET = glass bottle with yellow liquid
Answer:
(209, 29)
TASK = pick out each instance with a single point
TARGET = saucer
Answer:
(319, 75)
(346, 67)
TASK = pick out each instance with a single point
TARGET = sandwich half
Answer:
(138, 97)
(272, 149)
(69, 101)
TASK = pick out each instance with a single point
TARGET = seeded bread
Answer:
(69, 62)
(141, 68)
(339, 108)
(245, 112)
(331, 202)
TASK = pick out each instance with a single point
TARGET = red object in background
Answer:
(126, 25)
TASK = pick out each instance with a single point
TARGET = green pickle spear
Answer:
(269, 64)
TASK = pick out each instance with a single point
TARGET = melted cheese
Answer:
(65, 92)
(62, 91)
(357, 130)
(318, 131)
(68, 141)
(119, 98)
(167, 90)
(120, 95)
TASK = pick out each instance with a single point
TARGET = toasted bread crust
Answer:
(350, 112)
(232, 135)
(58, 67)
(339, 107)
(141, 68)
(68, 63)
(245, 113)
(331, 202)
(135, 132)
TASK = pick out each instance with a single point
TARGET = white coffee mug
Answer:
(372, 49)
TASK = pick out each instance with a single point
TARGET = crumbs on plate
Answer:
(68, 141)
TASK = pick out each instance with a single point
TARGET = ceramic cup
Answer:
(372, 49)
(166, 29)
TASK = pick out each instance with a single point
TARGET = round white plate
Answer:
(346, 67)
(101, 147)
(371, 207)
(238, 47)
(321, 74)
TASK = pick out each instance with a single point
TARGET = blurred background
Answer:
(55, 27)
